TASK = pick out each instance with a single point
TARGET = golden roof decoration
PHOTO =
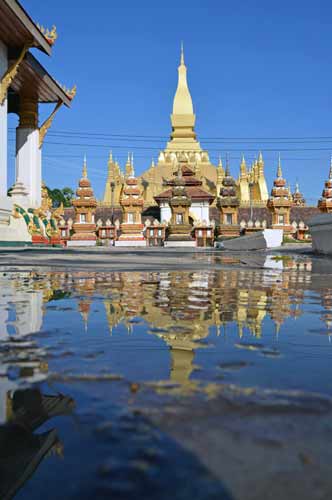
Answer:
(69, 92)
(50, 35)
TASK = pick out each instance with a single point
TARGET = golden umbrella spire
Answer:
(85, 169)
(279, 171)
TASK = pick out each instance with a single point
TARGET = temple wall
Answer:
(3, 126)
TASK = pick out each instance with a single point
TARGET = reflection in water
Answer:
(181, 308)
(90, 325)
(21, 450)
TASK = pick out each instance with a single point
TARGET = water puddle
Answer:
(88, 359)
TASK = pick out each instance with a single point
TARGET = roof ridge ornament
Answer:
(50, 35)
(70, 93)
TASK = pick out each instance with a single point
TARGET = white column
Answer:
(3, 126)
(28, 154)
(28, 164)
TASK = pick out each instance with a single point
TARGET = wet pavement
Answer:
(209, 383)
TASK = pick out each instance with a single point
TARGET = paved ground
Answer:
(122, 259)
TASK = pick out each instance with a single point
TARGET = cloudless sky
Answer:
(256, 69)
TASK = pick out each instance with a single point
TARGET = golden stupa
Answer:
(184, 146)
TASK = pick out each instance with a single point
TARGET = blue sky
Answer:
(256, 70)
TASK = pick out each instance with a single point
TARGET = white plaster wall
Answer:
(3, 126)
(28, 163)
(200, 211)
(165, 213)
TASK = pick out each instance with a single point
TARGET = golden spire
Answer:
(110, 159)
(243, 167)
(260, 158)
(129, 166)
(227, 172)
(152, 163)
(260, 165)
(220, 171)
(85, 169)
(182, 104)
(330, 173)
(279, 171)
(132, 165)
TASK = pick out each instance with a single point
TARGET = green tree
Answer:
(58, 196)
(68, 195)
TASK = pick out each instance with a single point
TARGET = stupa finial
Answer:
(330, 173)
(132, 165)
(85, 168)
(227, 172)
(279, 171)
(182, 55)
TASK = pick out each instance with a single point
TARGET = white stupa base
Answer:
(178, 244)
(81, 243)
(130, 243)
(15, 231)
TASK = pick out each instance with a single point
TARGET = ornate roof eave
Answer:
(17, 25)
(33, 73)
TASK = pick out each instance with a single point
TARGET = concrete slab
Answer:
(255, 241)
(321, 233)
(273, 237)
(137, 243)
(81, 243)
(179, 244)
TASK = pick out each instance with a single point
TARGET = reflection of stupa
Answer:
(183, 308)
